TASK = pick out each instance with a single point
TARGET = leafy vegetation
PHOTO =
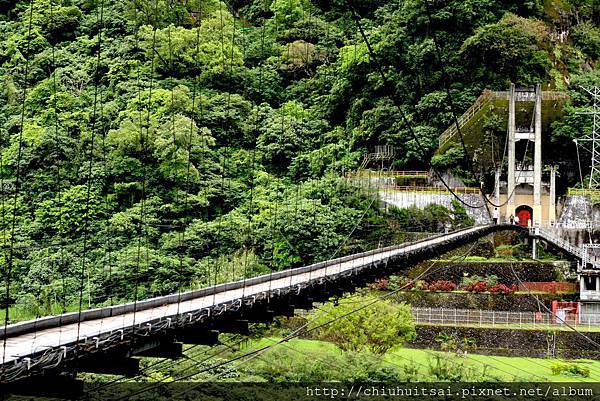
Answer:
(361, 323)
(569, 368)
(303, 361)
(431, 218)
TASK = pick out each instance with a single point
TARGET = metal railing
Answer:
(548, 235)
(409, 188)
(522, 96)
(386, 174)
(471, 111)
(507, 319)
(587, 225)
(584, 192)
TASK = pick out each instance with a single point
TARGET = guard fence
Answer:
(507, 319)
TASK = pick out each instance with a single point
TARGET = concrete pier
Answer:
(537, 158)
(512, 128)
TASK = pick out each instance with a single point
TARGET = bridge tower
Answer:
(527, 197)
(527, 191)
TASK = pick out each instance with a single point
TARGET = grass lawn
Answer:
(502, 367)
(495, 367)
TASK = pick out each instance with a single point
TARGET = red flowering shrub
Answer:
(500, 289)
(381, 284)
(477, 286)
(441, 285)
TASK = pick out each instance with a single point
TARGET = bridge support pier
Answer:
(534, 248)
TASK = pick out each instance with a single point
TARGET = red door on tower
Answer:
(524, 217)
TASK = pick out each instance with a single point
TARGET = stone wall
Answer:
(577, 212)
(455, 270)
(511, 342)
(520, 302)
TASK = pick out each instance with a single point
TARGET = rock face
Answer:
(578, 213)
(401, 199)
(578, 218)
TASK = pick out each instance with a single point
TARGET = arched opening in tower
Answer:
(524, 214)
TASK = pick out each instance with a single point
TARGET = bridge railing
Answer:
(387, 174)
(584, 192)
(451, 131)
(550, 236)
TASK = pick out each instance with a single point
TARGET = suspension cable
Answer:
(143, 139)
(9, 262)
(100, 22)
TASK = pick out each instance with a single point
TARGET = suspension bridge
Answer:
(107, 340)
(112, 339)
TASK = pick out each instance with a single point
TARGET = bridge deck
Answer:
(23, 345)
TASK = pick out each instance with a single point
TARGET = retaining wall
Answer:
(519, 302)
(406, 199)
(456, 270)
(511, 342)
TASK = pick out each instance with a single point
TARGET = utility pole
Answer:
(590, 141)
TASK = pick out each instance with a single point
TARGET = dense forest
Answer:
(152, 147)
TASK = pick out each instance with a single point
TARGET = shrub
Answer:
(447, 341)
(360, 324)
(420, 285)
(477, 286)
(392, 283)
(503, 289)
(325, 364)
(381, 284)
(441, 285)
(398, 282)
(445, 368)
(504, 251)
(431, 218)
(569, 369)
(489, 281)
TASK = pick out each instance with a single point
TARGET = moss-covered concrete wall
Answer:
(511, 342)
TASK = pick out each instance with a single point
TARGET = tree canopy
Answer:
(167, 145)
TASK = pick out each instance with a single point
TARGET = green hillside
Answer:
(151, 147)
